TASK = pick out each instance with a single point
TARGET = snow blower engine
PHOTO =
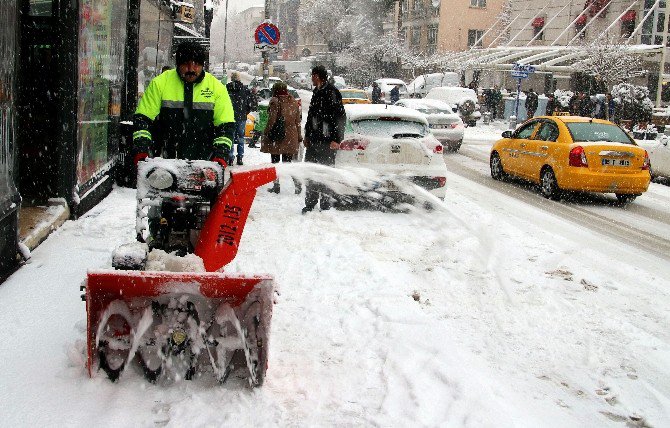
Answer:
(166, 307)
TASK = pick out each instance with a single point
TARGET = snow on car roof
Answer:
(391, 81)
(424, 102)
(375, 111)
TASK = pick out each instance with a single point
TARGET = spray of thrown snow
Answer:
(369, 189)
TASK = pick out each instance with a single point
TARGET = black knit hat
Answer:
(191, 51)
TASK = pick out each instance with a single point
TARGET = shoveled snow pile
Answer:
(162, 261)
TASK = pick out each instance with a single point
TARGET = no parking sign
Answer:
(267, 37)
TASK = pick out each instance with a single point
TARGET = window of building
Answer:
(431, 45)
(475, 36)
(478, 3)
(416, 36)
(404, 8)
(402, 34)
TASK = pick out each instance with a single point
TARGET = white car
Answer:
(419, 87)
(463, 99)
(395, 142)
(659, 156)
(386, 85)
(445, 125)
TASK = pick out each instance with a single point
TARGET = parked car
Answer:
(339, 82)
(445, 125)
(266, 94)
(257, 83)
(386, 85)
(219, 72)
(420, 86)
(464, 100)
(395, 142)
(570, 153)
(354, 96)
(659, 156)
(301, 80)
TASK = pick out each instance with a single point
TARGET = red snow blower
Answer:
(167, 307)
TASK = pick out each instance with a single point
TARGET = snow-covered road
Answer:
(493, 310)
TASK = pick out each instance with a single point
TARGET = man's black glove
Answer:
(219, 155)
(140, 149)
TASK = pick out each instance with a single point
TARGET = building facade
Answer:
(464, 24)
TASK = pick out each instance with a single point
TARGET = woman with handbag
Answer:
(282, 134)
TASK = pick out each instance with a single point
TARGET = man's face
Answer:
(189, 71)
(316, 81)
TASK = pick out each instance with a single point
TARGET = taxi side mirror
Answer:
(507, 134)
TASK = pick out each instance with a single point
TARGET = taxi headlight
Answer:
(160, 179)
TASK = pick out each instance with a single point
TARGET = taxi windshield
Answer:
(588, 131)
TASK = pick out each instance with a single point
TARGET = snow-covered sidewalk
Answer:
(484, 312)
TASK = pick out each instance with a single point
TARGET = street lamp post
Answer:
(266, 55)
(225, 35)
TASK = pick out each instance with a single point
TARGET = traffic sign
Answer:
(267, 34)
(521, 71)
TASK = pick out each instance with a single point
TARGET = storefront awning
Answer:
(183, 30)
(538, 22)
(581, 21)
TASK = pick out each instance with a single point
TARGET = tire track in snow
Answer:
(614, 229)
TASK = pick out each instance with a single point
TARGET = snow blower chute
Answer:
(166, 306)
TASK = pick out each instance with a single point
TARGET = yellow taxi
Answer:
(354, 96)
(570, 153)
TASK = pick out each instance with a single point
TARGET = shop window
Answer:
(478, 3)
(432, 39)
(475, 36)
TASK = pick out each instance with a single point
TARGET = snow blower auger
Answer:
(167, 306)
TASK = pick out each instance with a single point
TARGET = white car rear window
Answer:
(387, 128)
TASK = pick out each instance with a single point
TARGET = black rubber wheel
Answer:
(497, 171)
(549, 185)
(625, 198)
(112, 373)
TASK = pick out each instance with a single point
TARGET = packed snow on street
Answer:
(485, 311)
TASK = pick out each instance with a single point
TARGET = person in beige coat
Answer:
(283, 105)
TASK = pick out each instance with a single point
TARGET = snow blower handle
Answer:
(220, 235)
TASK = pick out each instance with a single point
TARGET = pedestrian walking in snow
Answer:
(243, 101)
(531, 103)
(282, 108)
(324, 130)
(394, 94)
(552, 105)
(196, 115)
(376, 93)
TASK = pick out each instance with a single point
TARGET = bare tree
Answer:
(611, 61)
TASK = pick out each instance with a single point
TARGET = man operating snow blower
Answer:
(189, 108)
(166, 306)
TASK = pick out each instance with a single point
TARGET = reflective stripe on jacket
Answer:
(192, 117)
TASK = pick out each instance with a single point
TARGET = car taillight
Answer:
(437, 148)
(354, 144)
(647, 163)
(456, 125)
(578, 157)
(441, 181)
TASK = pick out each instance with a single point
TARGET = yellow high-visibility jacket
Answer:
(193, 118)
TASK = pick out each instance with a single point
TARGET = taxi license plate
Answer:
(616, 162)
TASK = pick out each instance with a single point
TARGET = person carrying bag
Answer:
(282, 135)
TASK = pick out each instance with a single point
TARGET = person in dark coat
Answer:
(495, 101)
(394, 95)
(376, 93)
(585, 105)
(531, 103)
(552, 105)
(324, 130)
(243, 101)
